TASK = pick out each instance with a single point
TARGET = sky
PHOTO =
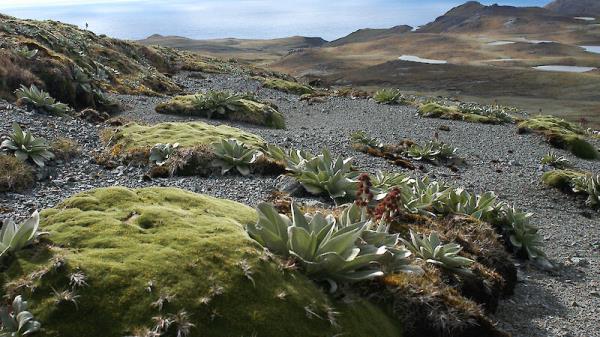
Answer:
(205, 19)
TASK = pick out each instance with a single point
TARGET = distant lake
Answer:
(592, 49)
(565, 69)
(137, 19)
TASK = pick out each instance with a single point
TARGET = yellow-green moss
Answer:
(287, 86)
(136, 245)
(561, 134)
(249, 111)
(190, 134)
(561, 179)
(435, 110)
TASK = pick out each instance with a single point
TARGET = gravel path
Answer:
(564, 303)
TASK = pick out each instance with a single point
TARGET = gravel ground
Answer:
(561, 303)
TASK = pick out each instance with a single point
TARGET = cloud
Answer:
(6, 4)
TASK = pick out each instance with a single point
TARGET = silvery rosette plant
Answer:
(522, 234)
(432, 151)
(160, 153)
(26, 147)
(387, 96)
(330, 249)
(431, 249)
(234, 154)
(324, 175)
(14, 237)
(361, 137)
(554, 160)
(481, 207)
(17, 321)
(40, 100)
(25, 52)
(589, 185)
(218, 102)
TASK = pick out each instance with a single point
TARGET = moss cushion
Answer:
(136, 136)
(136, 246)
(249, 111)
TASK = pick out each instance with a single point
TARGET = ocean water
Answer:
(137, 19)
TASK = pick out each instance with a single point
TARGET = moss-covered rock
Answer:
(561, 134)
(247, 110)
(156, 252)
(15, 175)
(287, 86)
(561, 179)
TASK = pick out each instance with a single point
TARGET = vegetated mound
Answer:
(133, 137)
(475, 17)
(561, 134)
(224, 105)
(77, 66)
(157, 255)
(369, 34)
(575, 7)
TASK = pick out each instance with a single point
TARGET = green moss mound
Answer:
(287, 86)
(561, 134)
(135, 246)
(190, 134)
(561, 179)
(249, 111)
(436, 110)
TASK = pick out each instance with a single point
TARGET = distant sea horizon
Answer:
(244, 19)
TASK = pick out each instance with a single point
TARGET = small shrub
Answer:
(26, 147)
(15, 175)
(65, 149)
(39, 100)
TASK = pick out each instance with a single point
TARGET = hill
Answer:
(473, 17)
(78, 67)
(575, 7)
(239, 48)
(369, 34)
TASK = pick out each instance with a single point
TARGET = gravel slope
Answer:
(564, 303)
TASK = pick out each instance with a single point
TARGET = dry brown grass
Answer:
(15, 175)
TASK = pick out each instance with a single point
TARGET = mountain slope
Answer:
(369, 34)
(246, 48)
(575, 7)
(77, 66)
(473, 17)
